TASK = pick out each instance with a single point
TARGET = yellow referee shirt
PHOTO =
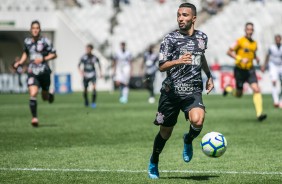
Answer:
(245, 48)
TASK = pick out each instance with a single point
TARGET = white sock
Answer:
(125, 91)
(275, 94)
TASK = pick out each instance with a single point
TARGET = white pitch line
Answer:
(143, 171)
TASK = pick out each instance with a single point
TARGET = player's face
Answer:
(185, 18)
(278, 39)
(88, 50)
(249, 31)
(35, 30)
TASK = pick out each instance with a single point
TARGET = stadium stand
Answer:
(73, 23)
(28, 5)
(228, 25)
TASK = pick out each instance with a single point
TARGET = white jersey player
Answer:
(274, 61)
(122, 71)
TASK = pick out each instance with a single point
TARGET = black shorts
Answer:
(87, 80)
(242, 76)
(169, 108)
(42, 81)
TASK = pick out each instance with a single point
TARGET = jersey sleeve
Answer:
(49, 46)
(98, 60)
(166, 50)
(269, 51)
(80, 62)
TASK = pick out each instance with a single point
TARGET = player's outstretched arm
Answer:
(185, 59)
(206, 69)
(21, 61)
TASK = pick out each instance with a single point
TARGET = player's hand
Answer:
(209, 85)
(38, 60)
(16, 65)
(186, 58)
(244, 60)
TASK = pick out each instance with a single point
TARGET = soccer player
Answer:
(39, 50)
(149, 63)
(88, 60)
(182, 57)
(274, 61)
(122, 66)
(244, 52)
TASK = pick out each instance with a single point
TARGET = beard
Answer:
(186, 27)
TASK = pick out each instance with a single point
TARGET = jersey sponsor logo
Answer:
(184, 88)
(198, 53)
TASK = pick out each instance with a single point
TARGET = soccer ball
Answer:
(214, 144)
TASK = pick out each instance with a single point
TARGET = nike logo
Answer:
(200, 104)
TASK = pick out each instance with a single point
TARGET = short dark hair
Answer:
(189, 5)
(35, 22)
(90, 46)
(277, 35)
(249, 24)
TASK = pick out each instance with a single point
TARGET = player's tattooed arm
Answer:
(206, 69)
(184, 59)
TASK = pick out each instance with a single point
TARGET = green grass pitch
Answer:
(113, 143)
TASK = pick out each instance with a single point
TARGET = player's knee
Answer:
(256, 90)
(33, 93)
(197, 121)
(166, 132)
(45, 95)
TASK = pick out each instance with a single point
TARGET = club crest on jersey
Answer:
(201, 43)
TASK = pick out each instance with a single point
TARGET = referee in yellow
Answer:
(244, 52)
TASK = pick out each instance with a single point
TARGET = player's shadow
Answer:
(47, 125)
(197, 178)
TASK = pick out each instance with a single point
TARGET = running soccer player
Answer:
(149, 63)
(182, 57)
(122, 66)
(274, 61)
(39, 50)
(244, 52)
(88, 61)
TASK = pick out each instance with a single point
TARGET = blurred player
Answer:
(88, 61)
(182, 56)
(274, 61)
(244, 52)
(149, 63)
(122, 71)
(39, 50)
